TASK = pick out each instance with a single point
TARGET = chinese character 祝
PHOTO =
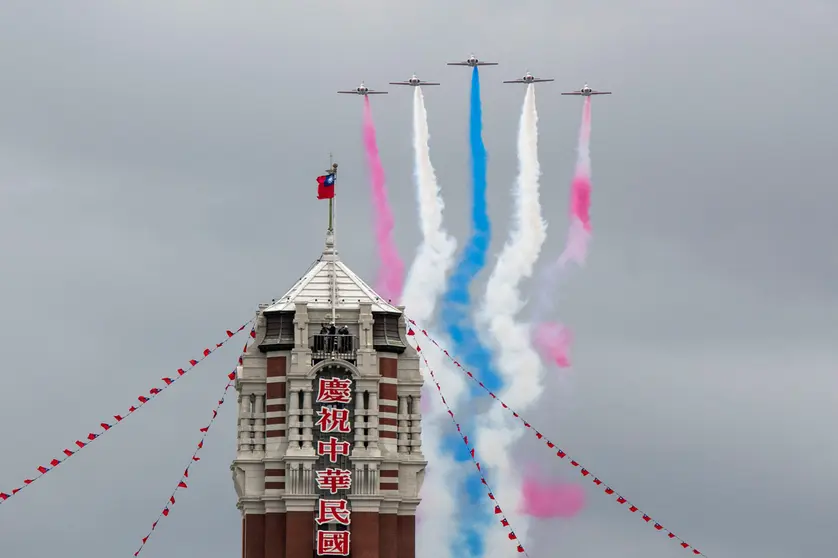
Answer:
(333, 543)
(332, 511)
(334, 390)
(334, 480)
(333, 448)
(332, 419)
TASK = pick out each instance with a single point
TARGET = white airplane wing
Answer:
(348, 92)
(487, 63)
(600, 92)
(400, 83)
(371, 92)
(428, 83)
(458, 63)
(573, 93)
(515, 81)
(541, 80)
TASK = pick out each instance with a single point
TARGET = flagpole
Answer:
(334, 286)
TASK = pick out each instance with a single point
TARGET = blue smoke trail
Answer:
(456, 302)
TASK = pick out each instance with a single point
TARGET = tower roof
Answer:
(316, 286)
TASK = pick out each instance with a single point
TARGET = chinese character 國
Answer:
(333, 448)
(333, 543)
(332, 511)
(333, 419)
(334, 480)
(334, 390)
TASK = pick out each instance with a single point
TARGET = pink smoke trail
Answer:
(549, 500)
(551, 338)
(391, 268)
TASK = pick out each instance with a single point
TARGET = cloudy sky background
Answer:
(156, 183)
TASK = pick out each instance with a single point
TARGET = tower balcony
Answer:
(337, 346)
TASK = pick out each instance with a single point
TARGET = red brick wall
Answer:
(275, 535)
(254, 536)
(407, 536)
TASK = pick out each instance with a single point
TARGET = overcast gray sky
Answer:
(156, 183)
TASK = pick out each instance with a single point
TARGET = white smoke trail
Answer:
(437, 519)
(437, 515)
(516, 360)
(426, 279)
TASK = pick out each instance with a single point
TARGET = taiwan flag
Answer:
(326, 186)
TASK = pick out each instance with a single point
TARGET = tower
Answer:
(329, 459)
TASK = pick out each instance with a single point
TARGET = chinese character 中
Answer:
(332, 511)
(334, 480)
(333, 448)
(334, 390)
(334, 419)
(333, 543)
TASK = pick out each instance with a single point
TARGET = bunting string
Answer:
(142, 400)
(231, 381)
(560, 453)
(170, 502)
(498, 511)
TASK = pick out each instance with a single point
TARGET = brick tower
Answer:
(329, 459)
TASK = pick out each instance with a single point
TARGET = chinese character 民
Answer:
(334, 390)
(333, 448)
(333, 543)
(334, 480)
(329, 511)
(332, 419)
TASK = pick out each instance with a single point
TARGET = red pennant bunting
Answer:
(105, 427)
(498, 510)
(182, 483)
(560, 453)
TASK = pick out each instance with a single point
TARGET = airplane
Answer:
(413, 81)
(472, 61)
(528, 78)
(363, 90)
(587, 92)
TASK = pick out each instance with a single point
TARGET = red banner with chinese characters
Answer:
(333, 473)
(560, 453)
(106, 426)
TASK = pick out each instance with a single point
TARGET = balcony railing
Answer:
(339, 346)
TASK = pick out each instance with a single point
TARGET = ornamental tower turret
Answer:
(329, 459)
